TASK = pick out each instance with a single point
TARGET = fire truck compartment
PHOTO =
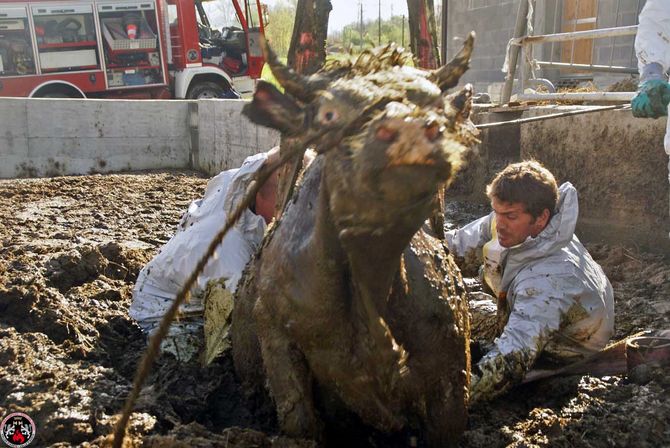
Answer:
(118, 40)
(131, 50)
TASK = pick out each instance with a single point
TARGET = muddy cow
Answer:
(351, 304)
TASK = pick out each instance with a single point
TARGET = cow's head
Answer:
(391, 133)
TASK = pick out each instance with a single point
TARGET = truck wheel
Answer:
(56, 95)
(206, 89)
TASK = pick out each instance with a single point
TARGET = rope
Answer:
(508, 54)
(516, 41)
(550, 116)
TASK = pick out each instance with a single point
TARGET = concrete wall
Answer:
(616, 162)
(226, 136)
(619, 166)
(43, 137)
(49, 137)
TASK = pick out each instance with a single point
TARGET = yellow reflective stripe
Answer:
(485, 252)
(494, 236)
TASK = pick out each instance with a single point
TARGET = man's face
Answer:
(515, 224)
(266, 198)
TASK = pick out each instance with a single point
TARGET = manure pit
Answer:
(70, 251)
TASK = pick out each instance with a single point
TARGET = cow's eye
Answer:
(432, 131)
(329, 116)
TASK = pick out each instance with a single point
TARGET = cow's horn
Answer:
(448, 75)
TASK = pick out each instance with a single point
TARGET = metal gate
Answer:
(578, 46)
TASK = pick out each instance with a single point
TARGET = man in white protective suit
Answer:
(162, 278)
(652, 46)
(551, 301)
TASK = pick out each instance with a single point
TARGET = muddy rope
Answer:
(550, 116)
(154, 344)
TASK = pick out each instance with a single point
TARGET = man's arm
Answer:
(652, 46)
(470, 237)
(652, 43)
(538, 310)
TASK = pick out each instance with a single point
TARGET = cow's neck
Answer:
(369, 261)
(361, 268)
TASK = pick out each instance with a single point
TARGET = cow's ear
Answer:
(275, 110)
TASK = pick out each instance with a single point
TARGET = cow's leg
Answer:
(289, 378)
(428, 316)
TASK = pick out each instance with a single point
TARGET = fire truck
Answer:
(127, 49)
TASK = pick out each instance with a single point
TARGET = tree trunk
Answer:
(306, 55)
(423, 33)
(307, 52)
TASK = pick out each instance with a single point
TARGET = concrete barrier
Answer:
(49, 137)
(226, 137)
(53, 137)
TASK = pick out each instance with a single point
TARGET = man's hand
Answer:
(474, 392)
(653, 94)
(652, 99)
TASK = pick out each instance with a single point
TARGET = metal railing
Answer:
(523, 43)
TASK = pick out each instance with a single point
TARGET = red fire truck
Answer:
(127, 49)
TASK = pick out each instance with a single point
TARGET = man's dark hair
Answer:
(528, 183)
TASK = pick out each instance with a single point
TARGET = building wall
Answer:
(617, 51)
(494, 22)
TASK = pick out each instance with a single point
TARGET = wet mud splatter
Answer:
(70, 251)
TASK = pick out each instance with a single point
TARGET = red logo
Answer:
(18, 430)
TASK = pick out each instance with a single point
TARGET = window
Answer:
(16, 46)
(173, 16)
(478, 4)
(221, 14)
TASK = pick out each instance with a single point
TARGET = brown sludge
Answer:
(68, 349)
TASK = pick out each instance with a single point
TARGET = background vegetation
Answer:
(352, 36)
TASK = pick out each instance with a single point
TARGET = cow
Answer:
(353, 304)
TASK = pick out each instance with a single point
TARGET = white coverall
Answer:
(161, 279)
(652, 45)
(558, 300)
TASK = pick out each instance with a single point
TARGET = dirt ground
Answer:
(70, 251)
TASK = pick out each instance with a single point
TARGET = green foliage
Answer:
(267, 75)
(280, 27)
(391, 31)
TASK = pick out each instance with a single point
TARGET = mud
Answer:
(70, 250)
